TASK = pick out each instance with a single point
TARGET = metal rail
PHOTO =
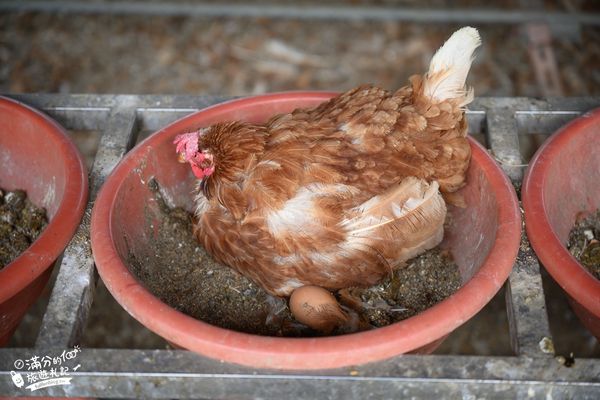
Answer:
(342, 12)
(532, 372)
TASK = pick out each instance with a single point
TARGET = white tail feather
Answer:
(450, 65)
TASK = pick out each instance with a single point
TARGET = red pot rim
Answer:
(579, 283)
(303, 353)
(52, 241)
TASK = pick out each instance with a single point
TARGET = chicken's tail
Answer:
(449, 67)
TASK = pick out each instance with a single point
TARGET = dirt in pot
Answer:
(584, 242)
(21, 223)
(184, 276)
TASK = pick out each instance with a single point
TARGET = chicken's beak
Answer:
(181, 158)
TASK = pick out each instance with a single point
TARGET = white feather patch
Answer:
(450, 66)
(270, 163)
(297, 214)
(289, 286)
(286, 260)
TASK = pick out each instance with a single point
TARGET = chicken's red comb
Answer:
(187, 144)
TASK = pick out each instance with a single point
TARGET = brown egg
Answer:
(317, 308)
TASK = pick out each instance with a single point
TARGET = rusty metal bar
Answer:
(503, 140)
(65, 316)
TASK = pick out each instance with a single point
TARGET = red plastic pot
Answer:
(562, 182)
(36, 155)
(484, 238)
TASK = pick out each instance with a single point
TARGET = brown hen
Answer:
(338, 195)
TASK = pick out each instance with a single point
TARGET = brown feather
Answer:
(280, 204)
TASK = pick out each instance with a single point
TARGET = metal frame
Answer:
(315, 11)
(533, 371)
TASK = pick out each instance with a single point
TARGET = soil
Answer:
(584, 242)
(183, 275)
(425, 281)
(21, 222)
